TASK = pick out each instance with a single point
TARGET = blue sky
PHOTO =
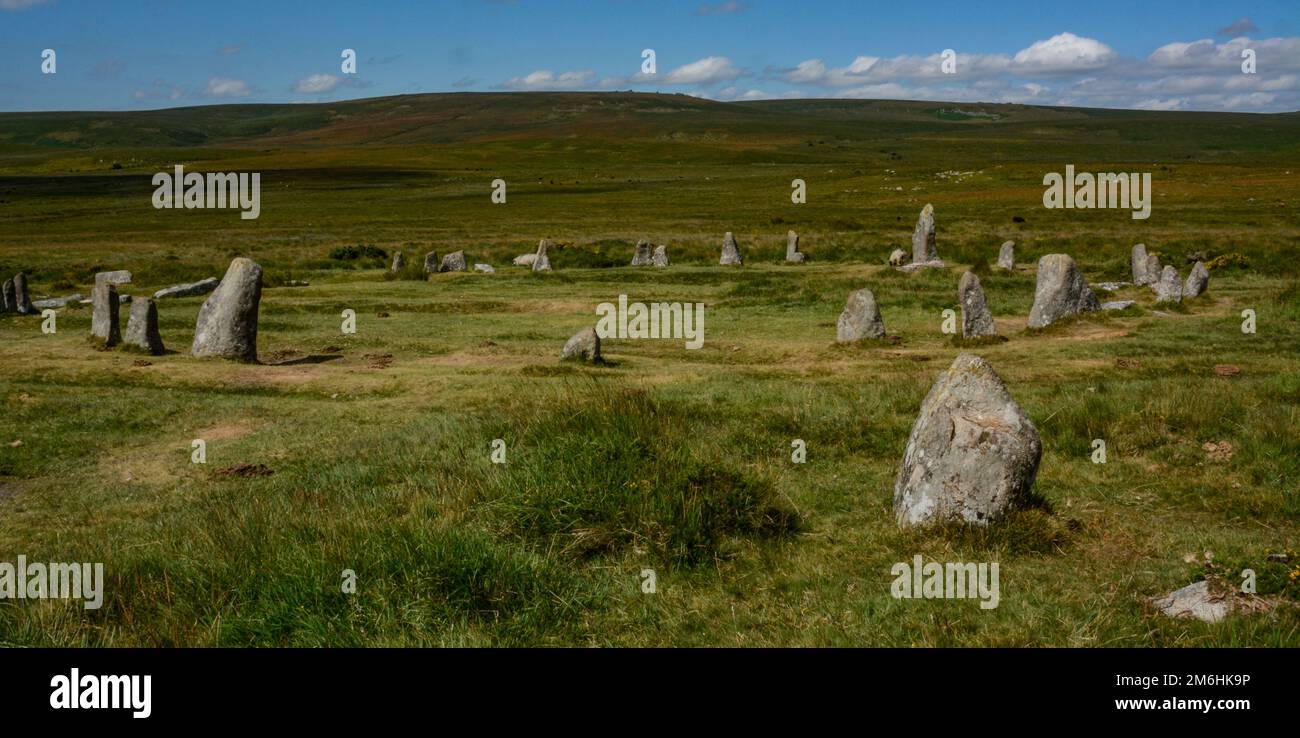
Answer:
(140, 54)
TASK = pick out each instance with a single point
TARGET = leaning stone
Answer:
(1061, 291)
(399, 262)
(1117, 305)
(641, 256)
(453, 262)
(584, 346)
(431, 262)
(898, 258)
(1169, 288)
(973, 453)
(10, 297)
(56, 302)
(1138, 262)
(227, 324)
(1007, 256)
(121, 276)
(541, 260)
(22, 302)
(142, 327)
(860, 319)
(976, 321)
(730, 252)
(485, 268)
(923, 242)
(792, 252)
(524, 260)
(201, 287)
(104, 323)
(660, 257)
(1197, 281)
(1194, 601)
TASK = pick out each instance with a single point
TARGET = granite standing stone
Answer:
(792, 252)
(924, 248)
(660, 257)
(584, 346)
(1197, 281)
(976, 321)
(641, 256)
(201, 287)
(898, 258)
(1138, 263)
(22, 301)
(542, 260)
(104, 321)
(1007, 256)
(1169, 288)
(431, 262)
(10, 297)
(453, 262)
(1152, 273)
(142, 327)
(399, 262)
(972, 455)
(860, 319)
(120, 276)
(1061, 291)
(227, 324)
(730, 252)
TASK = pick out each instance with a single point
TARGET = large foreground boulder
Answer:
(976, 320)
(541, 260)
(860, 319)
(972, 455)
(584, 346)
(792, 253)
(1061, 292)
(730, 251)
(641, 255)
(923, 241)
(104, 323)
(227, 324)
(1195, 601)
(142, 327)
(1197, 281)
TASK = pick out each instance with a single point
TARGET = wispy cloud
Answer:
(722, 8)
(1239, 27)
(544, 79)
(708, 70)
(226, 87)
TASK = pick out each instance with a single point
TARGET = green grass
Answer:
(667, 459)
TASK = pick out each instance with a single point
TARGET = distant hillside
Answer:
(468, 117)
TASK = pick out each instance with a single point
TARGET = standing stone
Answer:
(1138, 262)
(22, 301)
(1196, 281)
(972, 455)
(142, 327)
(976, 321)
(1169, 288)
(860, 319)
(121, 276)
(1062, 291)
(923, 242)
(453, 262)
(898, 258)
(641, 257)
(10, 297)
(541, 261)
(201, 287)
(227, 324)
(1007, 256)
(584, 346)
(1152, 273)
(399, 262)
(104, 323)
(431, 262)
(730, 252)
(792, 252)
(660, 258)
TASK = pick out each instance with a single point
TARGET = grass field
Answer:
(666, 459)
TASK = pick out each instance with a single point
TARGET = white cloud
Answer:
(1240, 27)
(708, 70)
(544, 79)
(317, 84)
(1172, 103)
(1064, 53)
(226, 87)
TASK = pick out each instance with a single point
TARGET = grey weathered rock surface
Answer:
(1110, 286)
(123, 299)
(1061, 291)
(641, 255)
(792, 252)
(1152, 273)
(584, 346)
(22, 301)
(1194, 601)
(898, 258)
(730, 251)
(923, 240)
(917, 266)
(485, 268)
(453, 262)
(57, 302)
(142, 327)
(431, 262)
(860, 319)
(542, 259)
(976, 320)
(104, 320)
(1007, 256)
(10, 297)
(525, 260)
(1117, 304)
(1169, 288)
(399, 262)
(660, 257)
(972, 454)
(227, 324)
(1138, 263)
(120, 276)
(201, 287)
(1197, 280)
